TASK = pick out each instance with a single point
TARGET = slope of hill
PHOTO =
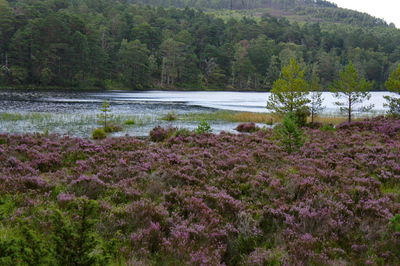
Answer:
(115, 44)
(301, 10)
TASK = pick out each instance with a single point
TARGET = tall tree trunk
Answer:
(350, 104)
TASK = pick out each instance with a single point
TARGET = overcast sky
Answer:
(389, 10)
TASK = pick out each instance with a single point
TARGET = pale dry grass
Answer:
(263, 118)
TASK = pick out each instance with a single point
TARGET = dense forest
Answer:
(112, 44)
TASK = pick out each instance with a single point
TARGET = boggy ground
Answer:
(203, 199)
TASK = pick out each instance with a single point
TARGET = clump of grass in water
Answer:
(170, 116)
(24, 116)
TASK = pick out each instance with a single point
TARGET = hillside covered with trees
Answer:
(111, 44)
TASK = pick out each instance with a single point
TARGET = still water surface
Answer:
(74, 113)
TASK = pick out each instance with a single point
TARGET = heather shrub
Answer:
(98, 134)
(203, 199)
(159, 133)
(203, 127)
(247, 127)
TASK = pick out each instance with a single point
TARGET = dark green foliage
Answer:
(75, 239)
(393, 85)
(24, 246)
(116, 44)
(301, 115)
(289, 135)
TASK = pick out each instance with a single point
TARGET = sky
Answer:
(389, 10)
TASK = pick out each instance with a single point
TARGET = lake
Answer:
(74, 113)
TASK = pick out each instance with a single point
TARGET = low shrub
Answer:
(203, 127)
(111, 128)
(301, 115)
(99, 133)
(314, 125)
(247, 127)
(184, 132)
(289, 135)
(159, 133)
(327, 127)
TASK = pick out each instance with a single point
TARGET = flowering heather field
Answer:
(203, 199)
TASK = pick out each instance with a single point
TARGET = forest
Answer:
(109, 44)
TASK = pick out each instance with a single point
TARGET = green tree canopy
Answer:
(134, 64)
(393, 85)
(352, 90)
(289, 92)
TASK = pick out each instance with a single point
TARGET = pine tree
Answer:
(290, 91)
(353, 90)
(393, 85)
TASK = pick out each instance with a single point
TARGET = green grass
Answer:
(170, 116)
(24, 116)
(391, 189)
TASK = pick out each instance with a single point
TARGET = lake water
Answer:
(74, 113)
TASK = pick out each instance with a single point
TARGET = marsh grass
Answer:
(61, 122)
(228, 116)
(263, 118)
(170, 116)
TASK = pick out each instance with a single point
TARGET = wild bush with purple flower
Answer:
(203, 199)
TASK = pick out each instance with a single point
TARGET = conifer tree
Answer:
(290, 91)
(352, 90)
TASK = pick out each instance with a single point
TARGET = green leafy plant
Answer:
(203, 127)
